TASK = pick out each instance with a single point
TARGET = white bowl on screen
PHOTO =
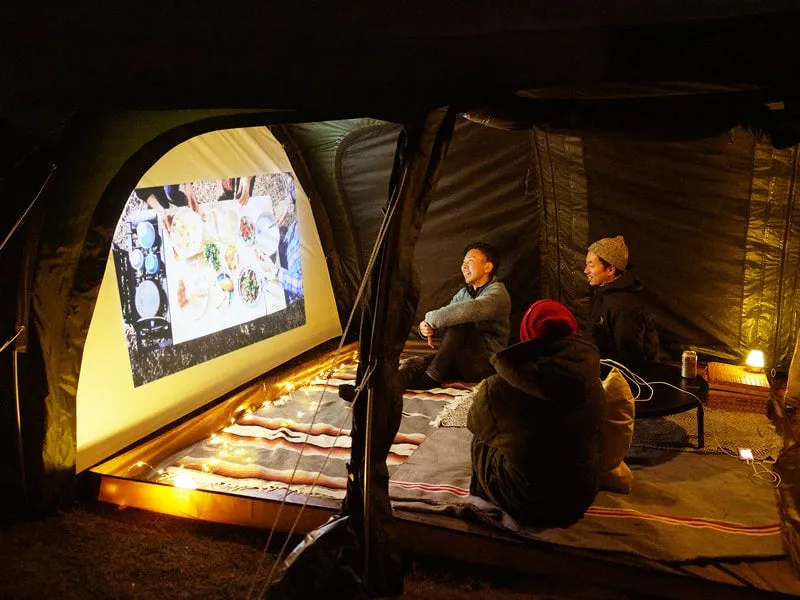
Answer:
(148, 299)
(136, 258)
(146, 234)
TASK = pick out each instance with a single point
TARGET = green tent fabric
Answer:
(567, 176)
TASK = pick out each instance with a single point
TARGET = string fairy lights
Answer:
(184, 481)
(223, 455)
(140, 464)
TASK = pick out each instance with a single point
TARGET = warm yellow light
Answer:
(185, 482)
(755, 360)
(289, 386)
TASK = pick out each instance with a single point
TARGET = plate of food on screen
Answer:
(232, 259)
(186, 232)
(247, 231)
(192, 292)
(249, 286)
(222, 224)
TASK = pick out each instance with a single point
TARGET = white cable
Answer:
(632, 378)
(763, 474)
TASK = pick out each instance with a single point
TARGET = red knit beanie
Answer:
(547, 318)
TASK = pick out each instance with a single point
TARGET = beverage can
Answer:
(689, 364)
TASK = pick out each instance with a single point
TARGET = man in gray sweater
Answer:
(474, 325)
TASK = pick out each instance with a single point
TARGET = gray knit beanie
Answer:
(613, 251)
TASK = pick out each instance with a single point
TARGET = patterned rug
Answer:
(725, 432)
(300, 442)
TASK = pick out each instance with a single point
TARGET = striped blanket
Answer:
(301, 442)
(684, 506)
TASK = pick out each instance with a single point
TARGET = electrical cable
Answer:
(20, 329)
(761, 473)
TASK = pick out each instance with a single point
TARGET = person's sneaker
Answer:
(423, 381)
(409, 370)
(347, 392)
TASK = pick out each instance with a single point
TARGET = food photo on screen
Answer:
(205, 268)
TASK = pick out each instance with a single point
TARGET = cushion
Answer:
(617, 432)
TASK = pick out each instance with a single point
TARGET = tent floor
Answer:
(452, 538)
(420, 533)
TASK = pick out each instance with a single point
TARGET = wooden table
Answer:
(667, 400)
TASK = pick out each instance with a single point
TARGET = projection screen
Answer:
(215, 275)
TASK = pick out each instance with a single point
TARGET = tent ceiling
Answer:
(375, 59)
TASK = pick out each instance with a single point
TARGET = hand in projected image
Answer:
(163, 217)
(191, 199)
(269, 266)
(242, 190)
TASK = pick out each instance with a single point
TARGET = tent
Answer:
(640, 90)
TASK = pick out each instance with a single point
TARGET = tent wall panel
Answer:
(788, 296)
(482, 194)
(767, 237)
(364, 165)
(683, 208)
(322, 217)
(559, 181)
(319, 143)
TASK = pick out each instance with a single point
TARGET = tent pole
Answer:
(22, 476)
(24, 214)
(394, 298)
(367, 480)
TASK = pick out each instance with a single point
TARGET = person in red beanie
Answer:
(536, 423)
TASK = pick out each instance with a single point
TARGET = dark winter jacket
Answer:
(536, 431)
(620, 324)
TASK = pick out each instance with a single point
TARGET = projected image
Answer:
(205, 268)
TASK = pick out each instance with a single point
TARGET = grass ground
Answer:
(103, 552)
